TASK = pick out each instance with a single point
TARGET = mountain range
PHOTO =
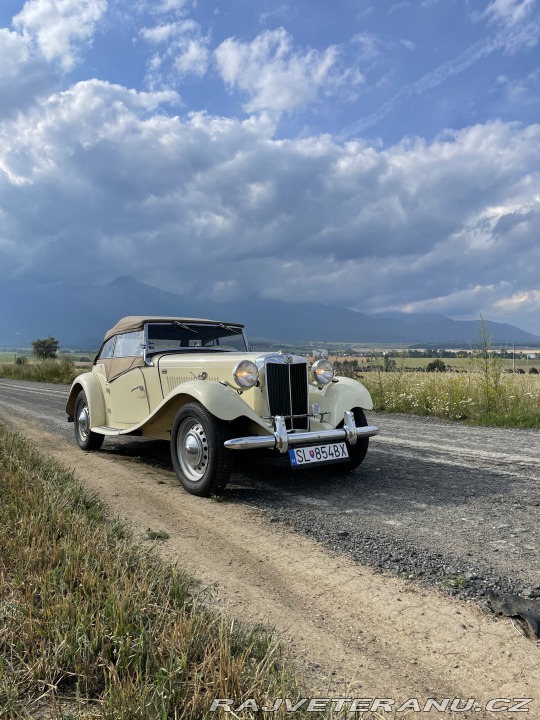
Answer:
(79, 316)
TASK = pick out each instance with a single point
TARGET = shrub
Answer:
(436, 366)
(45, 348)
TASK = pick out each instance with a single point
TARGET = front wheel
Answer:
(357, 452)
(86, 439)
(201, 462)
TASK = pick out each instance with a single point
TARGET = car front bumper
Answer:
(281, 440)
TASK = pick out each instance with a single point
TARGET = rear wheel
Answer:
(201, 462)
(86, 439)
(357, 452)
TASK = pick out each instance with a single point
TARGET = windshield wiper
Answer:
(235, 331)
(184, 327)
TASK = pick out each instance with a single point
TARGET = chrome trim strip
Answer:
(280, 443)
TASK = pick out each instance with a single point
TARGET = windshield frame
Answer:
(149, 354)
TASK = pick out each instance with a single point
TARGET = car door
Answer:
(127, 390)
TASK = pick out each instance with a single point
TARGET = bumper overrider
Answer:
(281, 440)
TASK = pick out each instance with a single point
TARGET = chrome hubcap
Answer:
(83, 423)
(192, 449)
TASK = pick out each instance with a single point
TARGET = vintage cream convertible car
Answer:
(196, 383)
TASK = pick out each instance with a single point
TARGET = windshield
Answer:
(185, 337)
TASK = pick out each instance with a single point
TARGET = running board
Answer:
(106, 430)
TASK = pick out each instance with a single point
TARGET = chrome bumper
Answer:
(281, 439)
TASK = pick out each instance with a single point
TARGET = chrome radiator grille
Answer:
(287, 388)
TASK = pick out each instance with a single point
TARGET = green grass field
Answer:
(8, 357)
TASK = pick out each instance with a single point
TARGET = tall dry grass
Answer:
(91, 625)
(478, 397)
(61, 370)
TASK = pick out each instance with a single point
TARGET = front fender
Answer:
(222, 401)
(336, 397)
(94, 395)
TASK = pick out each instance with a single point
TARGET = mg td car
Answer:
(196, 384)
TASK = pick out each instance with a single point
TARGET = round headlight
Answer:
(322, 371)
(246, 374)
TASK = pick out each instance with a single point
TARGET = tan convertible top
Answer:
(116, 366)
(136, 322)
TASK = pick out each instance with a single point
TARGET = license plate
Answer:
(318, 454)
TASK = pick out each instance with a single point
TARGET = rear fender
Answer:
(94, 395)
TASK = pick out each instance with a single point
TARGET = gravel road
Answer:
(452, 505)
(455, 507)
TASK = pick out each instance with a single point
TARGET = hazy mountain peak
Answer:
(83, 320)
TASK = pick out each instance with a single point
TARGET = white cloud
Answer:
(408, 44)
(182, 50)
(278, 77)
(508, 12)
(398, 6)
(459, 302)
(193, 58)
(509, 41)
(60, 28)
(167, 6)
(523, 89)
(23, 77)
(370, 45)
(14, 53)
(163, 33)
(525, 300)
(138, 192)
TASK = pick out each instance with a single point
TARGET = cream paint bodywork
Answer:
(94, 396)
(146, 400)
(336, 397)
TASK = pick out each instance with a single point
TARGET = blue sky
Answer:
(380, 155)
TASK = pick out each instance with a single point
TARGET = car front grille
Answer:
(287, 388)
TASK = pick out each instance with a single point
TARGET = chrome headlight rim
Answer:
(322, 372)
(246, 374)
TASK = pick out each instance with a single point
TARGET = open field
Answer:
(8, 356)
(93, 626)
(62, 370)
(504, 401)
(458, 364)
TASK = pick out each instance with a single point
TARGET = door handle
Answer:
(137, 387)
